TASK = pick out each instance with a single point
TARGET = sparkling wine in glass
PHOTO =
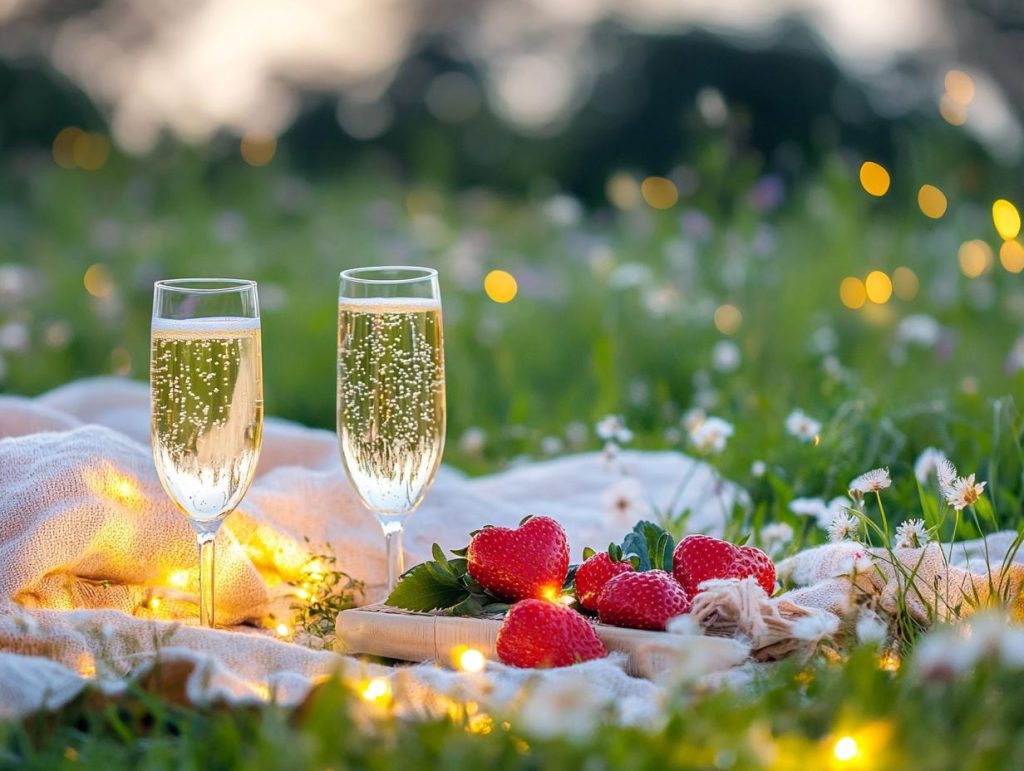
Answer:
(391, 397)
(206, 382)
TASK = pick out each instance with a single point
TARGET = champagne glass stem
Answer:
(395, 556)
(207, 550)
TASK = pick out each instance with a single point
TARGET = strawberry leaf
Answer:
(419, 589)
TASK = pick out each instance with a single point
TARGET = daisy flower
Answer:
(911, 534)
(625, 503)
(962, 492)
(844, 527)
(612, 428)
(776, 535)
(870, 482)
(711, 435)
(945, 472)
(802, 426)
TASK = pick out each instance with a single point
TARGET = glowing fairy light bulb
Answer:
(376, 689)
(471, 660)
(845, 749)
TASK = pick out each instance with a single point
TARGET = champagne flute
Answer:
(206, 382)
(391, 393)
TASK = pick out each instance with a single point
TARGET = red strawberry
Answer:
(642, 600)
(530, 561)
(593, 574)
(699, 558)
(539, 633)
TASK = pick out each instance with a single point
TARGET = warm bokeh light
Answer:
(975, 257)
(874, 178)
(952, 111)
(905, 283)
(960, 86)
(97, 281)
(64, 146)
(550, 593)
(120, 361)
(845, 749)
(1006, 218)
(728, 319)
(91, 151)
(878, 287)
(282, 630)
(852, 292)
(258, 148)
(659, 192)
(890, 661)
(378, 689)
(623, 191)
(178, 578)
(932, 201)
(501, 286)
(1011, 255)
(471, 660)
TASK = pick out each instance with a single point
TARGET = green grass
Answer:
(615, 314)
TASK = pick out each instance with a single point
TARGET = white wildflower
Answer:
(814, 627)
(946, 473)
(612, 428)
(628, 275)
(692, 419)
(823, 512)
(928, 463)
(776, 535)
(711, 435)
(570, 705)
(870, 482)
(844, 527)
(758, 469)
(14, 336)
(871, 629)
(911, 534)
(576, 434)
(625, 503)
(551, 445)
(472, 441)
(726, 356)
(919, 329)
(963, 492)
(802, 426)
(563, 210)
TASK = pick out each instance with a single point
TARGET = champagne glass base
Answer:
(393, 526)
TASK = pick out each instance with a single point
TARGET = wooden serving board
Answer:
(379, 630)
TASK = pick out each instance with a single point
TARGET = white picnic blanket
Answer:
(98, 570)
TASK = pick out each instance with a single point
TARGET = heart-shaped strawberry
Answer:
(699, 558)
(530, 561)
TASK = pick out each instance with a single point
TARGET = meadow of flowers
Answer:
(831, 346)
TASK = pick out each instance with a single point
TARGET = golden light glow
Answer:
(878, 287)
(90, 151)
(960, 86)
(975, 257)
(852, 292)
(178, 578)
(1006, 218)
(889, 661)
(905, 283)
(471, 660)
(64, 146)
(258, 148)
(550, 593)
(1011, 255)
(874, 178)
(659, 192)
(378, 689)
(931, 201)
(155, 603)
(97, 281)
(952, 111)
(282, 630)
(501, 286)
(86, 665)
(846, 749)
(623, 191)
(728, 319)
